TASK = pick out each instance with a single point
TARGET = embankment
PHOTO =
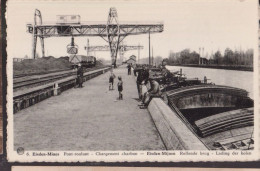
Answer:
(226, 67)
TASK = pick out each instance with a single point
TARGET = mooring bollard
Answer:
(56, 90)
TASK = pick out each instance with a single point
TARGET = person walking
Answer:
(135, 69)
(129, 69)
(120, 87)
(111, 80)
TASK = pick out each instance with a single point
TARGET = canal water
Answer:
(233, 78)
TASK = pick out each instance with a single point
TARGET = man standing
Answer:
(129, 69)
(111, 80)
(146, 75)
(139, 81)
(80, 76)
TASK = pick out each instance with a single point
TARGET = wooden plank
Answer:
(213, 117)
(225, 118)
(228, 128)
(227, 125)
(242, 118)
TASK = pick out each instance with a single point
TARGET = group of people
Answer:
(142, 81)
(119, 84)
(143, 78)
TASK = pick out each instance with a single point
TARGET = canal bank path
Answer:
(88, 118)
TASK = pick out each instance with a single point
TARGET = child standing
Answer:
(120, 88)
(111, 80)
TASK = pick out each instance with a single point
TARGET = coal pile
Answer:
(41, 65)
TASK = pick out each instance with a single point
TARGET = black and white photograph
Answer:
(136, 80)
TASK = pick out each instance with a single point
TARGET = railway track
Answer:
(31, 90)
(33, 74)
(36, 80)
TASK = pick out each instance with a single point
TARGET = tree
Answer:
(228, 57)
(217, 57)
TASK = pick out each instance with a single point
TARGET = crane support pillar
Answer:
(37, 22)
(113, 36)
(42, 44)
(34, 42)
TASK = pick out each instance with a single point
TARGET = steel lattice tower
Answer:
(112, 34)
(122, 48)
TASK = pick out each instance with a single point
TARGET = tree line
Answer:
(229, 57)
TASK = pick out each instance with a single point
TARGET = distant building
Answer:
(203, 61)
(131, 60)
(211, 61)
(133, 57)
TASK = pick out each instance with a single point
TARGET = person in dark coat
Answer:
(129, 69)
(139, 81)
(145, 75)
(111, 80)
(120, 87)
(80, 76)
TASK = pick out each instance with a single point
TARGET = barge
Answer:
(219, 117)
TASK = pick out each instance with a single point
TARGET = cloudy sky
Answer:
(212, 24)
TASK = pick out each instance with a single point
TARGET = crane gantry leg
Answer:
(121, 54)
(34, 45)
(42, 45)
(37, 21)
(113, 32)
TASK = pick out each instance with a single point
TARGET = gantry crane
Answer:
(122, 48)
(112, 31)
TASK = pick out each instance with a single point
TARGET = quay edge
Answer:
(174, 133)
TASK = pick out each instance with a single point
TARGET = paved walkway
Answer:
(88, 119)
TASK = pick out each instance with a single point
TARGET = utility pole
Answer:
(87, 48)
(203, 52)
(149, 51)
(152, 55)
(199, 57)
(139, 53)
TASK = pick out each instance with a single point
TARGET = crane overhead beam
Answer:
(98, 48)
(107, 48)
(58, 30)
